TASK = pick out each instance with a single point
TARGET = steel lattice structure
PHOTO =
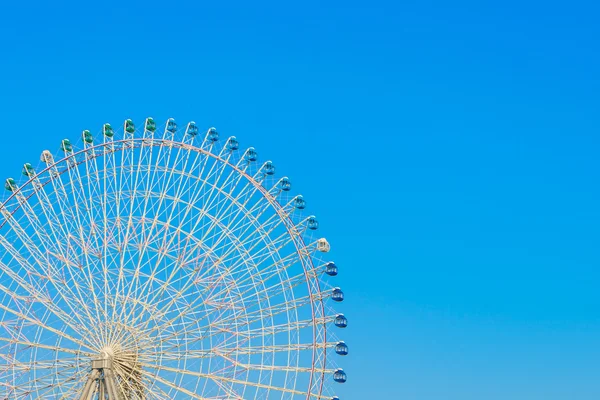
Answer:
(158, 264)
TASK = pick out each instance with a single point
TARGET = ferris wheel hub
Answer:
(107, 352)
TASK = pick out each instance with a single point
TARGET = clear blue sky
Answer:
(449, 149)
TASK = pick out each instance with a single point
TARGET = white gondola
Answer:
(47, 157)
(323, 245)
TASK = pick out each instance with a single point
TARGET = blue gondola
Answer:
(171, 125)
(331, 269)
(251, 155)
(341, 348)
(285, 184)
(212, 135)
(268, 168)
(335, 398)
(192, 129)
(232, 144)
(312, 223)
(339, 376)
(337, 295)
(299, 202)
(341, 321)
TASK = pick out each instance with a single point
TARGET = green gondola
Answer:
(129, 126)
(28, 170)
(10, 185)
(150, 125)
(66, 146)
(87, 137)
(108, 130)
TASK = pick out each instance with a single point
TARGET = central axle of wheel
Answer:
(104, 381)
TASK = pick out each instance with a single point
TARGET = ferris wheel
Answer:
(150, 263)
